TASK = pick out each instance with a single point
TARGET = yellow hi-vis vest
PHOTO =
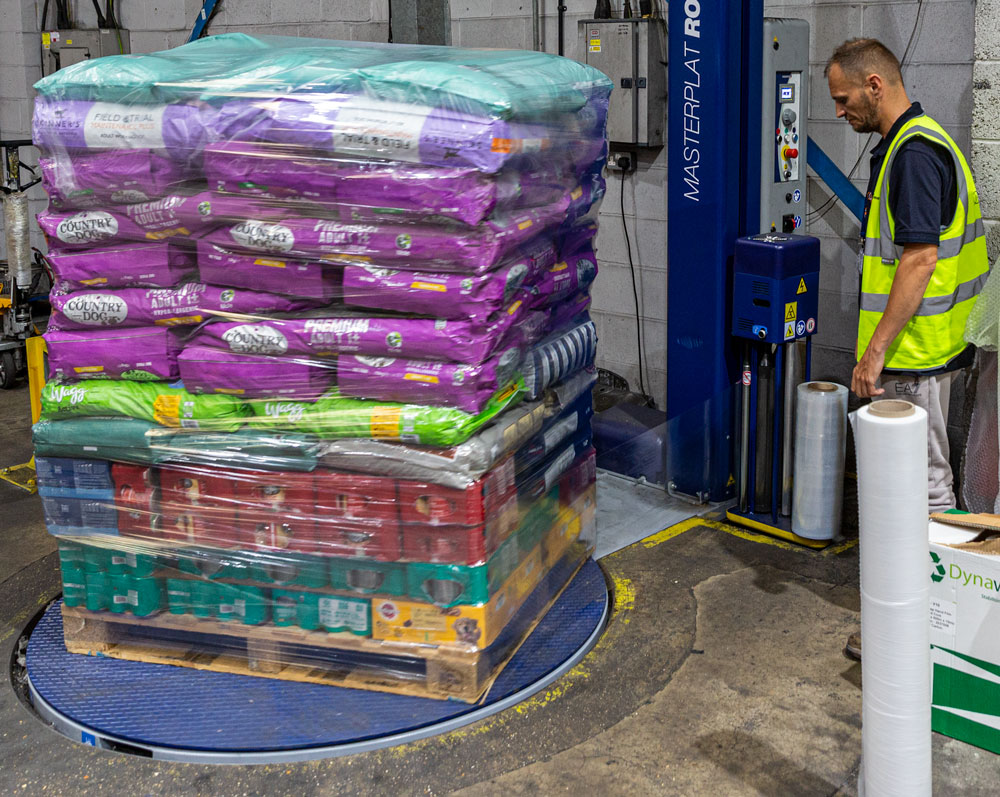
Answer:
(933, 336)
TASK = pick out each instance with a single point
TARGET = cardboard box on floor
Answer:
(965, 635)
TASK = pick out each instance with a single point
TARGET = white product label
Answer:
(87, 226)
(96, 309)
(133, 598)
(128, 196)
(388, 130)
(255, 339)
(119, 599)
(130, 560)
(375, 362)
(942, 616)
(338, 613)
(240, 607)
(558, 468)
(109, 125)
(117, 560)
(226, 608)
(263, 235)
(560, 432)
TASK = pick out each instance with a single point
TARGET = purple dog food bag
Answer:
(573, 275)
(179, 130)
(174, 215)
(463, 194)
(361, 126)
(267, 273)
(419, 338)
(138, 354)
(115, 177)
(160, 264)
(189, 304)
(445, 247)
(209, 370)
(444, 295)
(466, 387)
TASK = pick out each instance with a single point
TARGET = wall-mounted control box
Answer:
(61, 48)
(631, 53)
(785, 105)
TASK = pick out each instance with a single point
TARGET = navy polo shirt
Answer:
(922, 197)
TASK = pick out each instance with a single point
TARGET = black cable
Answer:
(635, 291)
(389, 38)
(111, 13)
(101, 21)
(45, 13)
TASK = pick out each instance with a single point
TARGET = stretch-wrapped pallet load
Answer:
(320, 359)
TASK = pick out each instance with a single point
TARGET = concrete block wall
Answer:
(159, 25)
(937, 73)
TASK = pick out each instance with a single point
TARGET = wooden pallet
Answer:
(269, 651)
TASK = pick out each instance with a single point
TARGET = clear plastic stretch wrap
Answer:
(320, 360)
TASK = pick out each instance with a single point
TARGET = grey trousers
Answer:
(933, 393)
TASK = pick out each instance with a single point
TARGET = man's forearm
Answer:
(913, 274)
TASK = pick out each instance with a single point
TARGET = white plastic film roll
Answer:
(15, 217)
(891, 438)
(820, 437)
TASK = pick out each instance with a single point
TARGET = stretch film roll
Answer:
(820, 435)
(891, 439)
(15, 217)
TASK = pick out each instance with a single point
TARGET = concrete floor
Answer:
(721, 673)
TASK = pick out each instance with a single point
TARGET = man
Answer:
(923, 251)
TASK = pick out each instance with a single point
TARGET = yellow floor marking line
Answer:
(686, 525)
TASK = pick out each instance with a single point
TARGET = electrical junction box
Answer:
(775, 287)
(784, 136)
(631, 53)
(61, 48)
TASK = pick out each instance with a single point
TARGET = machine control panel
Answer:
(787, 160)
(785, 105)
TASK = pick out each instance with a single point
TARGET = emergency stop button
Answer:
(788, 153)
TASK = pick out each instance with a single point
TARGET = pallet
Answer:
(293, 654)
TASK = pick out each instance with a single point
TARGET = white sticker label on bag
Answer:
(263, 235)
(87, 227)
(96, 309)
(388, 130)
(109, 125)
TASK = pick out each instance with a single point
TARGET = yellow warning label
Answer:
(791, 311)
(271, 263)
(89, 369)
(731, 481)
(46, 41)
(789, 330)
(802, 286)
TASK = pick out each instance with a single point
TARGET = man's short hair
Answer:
(858, 58)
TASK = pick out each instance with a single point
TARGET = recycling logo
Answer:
(938, 574)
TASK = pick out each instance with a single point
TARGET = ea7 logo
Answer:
(938, 574)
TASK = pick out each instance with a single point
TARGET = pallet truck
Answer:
(21, 345)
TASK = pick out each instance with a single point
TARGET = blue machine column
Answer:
(713, 142)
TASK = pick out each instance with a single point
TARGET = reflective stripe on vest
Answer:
(933, 335)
